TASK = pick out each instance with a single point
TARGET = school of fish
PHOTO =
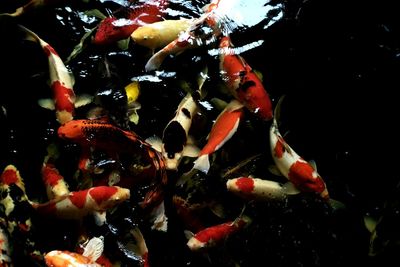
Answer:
(115, 168)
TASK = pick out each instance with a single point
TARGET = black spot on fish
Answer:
(187, 113)
(246, 85)
(174, 138)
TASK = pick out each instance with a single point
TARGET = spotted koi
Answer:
(54, 181)
(222, 130)
(5, 251)
(242, 82)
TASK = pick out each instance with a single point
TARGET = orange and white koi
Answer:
(112, 29)
(173, 145)
(222, 130)
(5, 251)
(211, 236)
(242, 82)
(159, 34)
(298, 171)
(91, 253)
(78, 204)
(61, 81)
(189, 38)
(258, 189)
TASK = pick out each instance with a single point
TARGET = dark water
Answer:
(338, 64)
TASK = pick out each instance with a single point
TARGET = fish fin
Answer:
(218, 103)
(290, 189)
(81, 45)
(217, 209)
(97, 113)
(134, 117)
(336, 204)
(313, 164)
(188, 234)
(277, 111)
(191, 151)
(158, 218)
(140, 247)
(186, 177)
(95, 13)
(155, 61)
(94, 248)
(124, 44)
(274, 170)
(258, 74)
(83, 100)
(132, 91)
(202, 163)
(100, 217)
(52, 153)
(234, 105)
(155, 142)
(370, 223)
(46, 103)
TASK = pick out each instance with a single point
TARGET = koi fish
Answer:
(78, 204)
(5, 251)
(173, 145)
(243, 82)
(298, 171)
(189, 39)
(159, 34)
(222, 130)
(211, 236)
(259, 189)
(61, 81)
(91, 253)
(102, 135)
(113, 29)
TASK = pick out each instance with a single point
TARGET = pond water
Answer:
(336, 62)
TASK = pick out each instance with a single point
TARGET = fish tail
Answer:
(202, 163)
(156, 60)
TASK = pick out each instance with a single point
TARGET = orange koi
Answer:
(102, 135)
(223, 129)
(242, 82)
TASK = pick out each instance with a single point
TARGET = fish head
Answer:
(112, 30)
(72, 130)
(145, 36)
(58, 258)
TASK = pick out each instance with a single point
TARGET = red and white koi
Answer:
(211, 236)
(61, 81)
(78, 204)
(187, 213)
(222, 130)
(159, 34)
(112, 29)
(173, 145)
(243, 82)
(301, 173)
(258, 189)
(91, 253)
